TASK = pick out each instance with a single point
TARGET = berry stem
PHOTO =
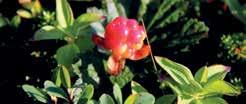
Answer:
(151, 54)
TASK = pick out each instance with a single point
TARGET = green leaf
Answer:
(217, 72)
(122, 79)
(84, 42)
(145, 98)
(106, 99)
(166, 99)
(91, 102)
(24, 13)
(140, 98)
(84, 21)
(131, 99)
(48, 32)
(178, 72)
(65, 77)
(3, 21)
(137, 88)
(53, 90)
(143, 8)
(88, 92)
(64, 14)
(221, 87)
(210, 100)
(117, 93)
(36, 93)
(90, 75)
(201, 75)
(15, 21)
(56, 77)
(162, 9)
(65, 55)
(237, 9)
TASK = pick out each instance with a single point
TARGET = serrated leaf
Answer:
(166, 99)
(65, 77)
(117, 93)
(122, 79)
(178, 72)
(48, 32)
(201, 75)
(36, 93)
(83, 22)
(142, 8)
(64, 14)
(162, 9)
(221, 87)
(137, 88)
(65, 55)
(106, 99)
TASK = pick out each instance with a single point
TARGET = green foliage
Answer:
(76, 82)
(3, 21)
(53, 90)
(117, 94)
(207, 86)
(237, 9)
(64, 14)
(166, 99)
(65, 55)
(48, 32)
(233, 46)
(106, 99)
(36, 93)
(122, 79)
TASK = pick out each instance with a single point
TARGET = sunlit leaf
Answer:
(64, 14)
(24, 13)
(202, 75)
(221, 87)
(48, 32)
(106, 99)
(84, 21)
(137, 88)
(65, 77)
(36, 93)
(117, 93)
(178, 72)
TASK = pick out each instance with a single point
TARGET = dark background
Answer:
(16, 63)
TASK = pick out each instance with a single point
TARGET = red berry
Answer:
(124, 38)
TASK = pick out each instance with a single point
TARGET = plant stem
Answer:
(151, 54)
